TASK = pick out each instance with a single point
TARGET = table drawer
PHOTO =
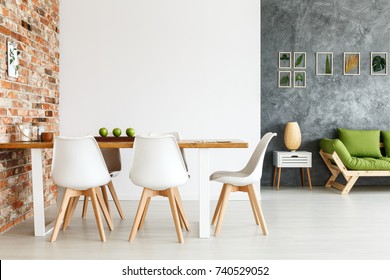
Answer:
(292, 159)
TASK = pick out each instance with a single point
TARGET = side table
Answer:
(299, 159)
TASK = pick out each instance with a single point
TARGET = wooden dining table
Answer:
(202, 145)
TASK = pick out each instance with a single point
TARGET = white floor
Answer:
(303, 225)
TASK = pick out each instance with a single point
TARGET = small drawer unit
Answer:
(292, 159)
(300, 160)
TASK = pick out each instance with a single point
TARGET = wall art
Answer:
(12, 59)
(284, 79)
(285, 60)
(378, 63)
(324, 63)
(351, 65)
(299, 60)
(299, 79)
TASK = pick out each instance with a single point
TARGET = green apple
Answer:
(117, 132)
(103, 132)
(130, 132)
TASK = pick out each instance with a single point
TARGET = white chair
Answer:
(112, 158)
(242, 180)
(177, 137)
(159, 168)
(79, 167)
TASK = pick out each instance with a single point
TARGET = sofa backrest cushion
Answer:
(361, 143)
(386, 141)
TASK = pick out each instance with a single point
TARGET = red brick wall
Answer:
(32, 97)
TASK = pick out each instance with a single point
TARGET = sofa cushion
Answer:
(361, 143)
(386, 141)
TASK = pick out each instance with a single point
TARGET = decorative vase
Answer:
(292, 136)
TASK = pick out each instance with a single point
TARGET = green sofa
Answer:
(356, 153)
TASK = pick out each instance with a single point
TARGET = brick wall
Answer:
(32, 97)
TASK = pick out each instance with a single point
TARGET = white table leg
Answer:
(38, 197)
(204, 193)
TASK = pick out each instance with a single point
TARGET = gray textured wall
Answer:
(328, 102)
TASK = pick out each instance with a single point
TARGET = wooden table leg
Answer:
(279, 171)
(309, 179)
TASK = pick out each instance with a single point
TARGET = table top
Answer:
(186, 143)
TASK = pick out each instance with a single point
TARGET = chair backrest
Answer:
(157, 163)
(78, 163)
(112, 157)
(254, 166)
(177, 137)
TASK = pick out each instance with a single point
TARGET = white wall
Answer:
(191, 66)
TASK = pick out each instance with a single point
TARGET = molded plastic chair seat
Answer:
(159, 168)
(243, 181)
(79, 167)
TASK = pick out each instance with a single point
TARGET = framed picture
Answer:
(285, 60)
(324, 63)
(284, 79)
(12, 59)
(299, 79)
(299, 60)
(378, 63)
(351, 65)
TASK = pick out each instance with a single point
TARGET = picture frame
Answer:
(299, 79)
(284, 60)
(284, 79)
(324, 63)
(378, 63)
(12, 59)
(351, 64)
(299, 60)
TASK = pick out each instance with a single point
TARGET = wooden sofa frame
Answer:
(336, 167)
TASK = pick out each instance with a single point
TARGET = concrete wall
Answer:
(328, 102)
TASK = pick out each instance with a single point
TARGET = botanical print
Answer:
(379, 63)
(284, 79)
(351, 63)
(284, 59)
(13, 61)
(300, 79)
(324, 63)
(299, 60)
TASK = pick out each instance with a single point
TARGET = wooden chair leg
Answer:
(218, 207)
(95, 205)
(116, 200)
(257, 220)
(175, 214)
(180, 208)
(85, 207)
(253, 197)
(103, 206)
(279, 172)
(138, 216)
(224, 202)
(141, 223)
(68, 216)
(61, 213)
(105, 197)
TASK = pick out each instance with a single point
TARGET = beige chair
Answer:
(159, 168)
(243, 181)
(112, 158)
(79, 167)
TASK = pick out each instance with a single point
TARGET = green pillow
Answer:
(361, 143)
(386, 141)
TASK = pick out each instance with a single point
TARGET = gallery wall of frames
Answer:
(324, 64)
